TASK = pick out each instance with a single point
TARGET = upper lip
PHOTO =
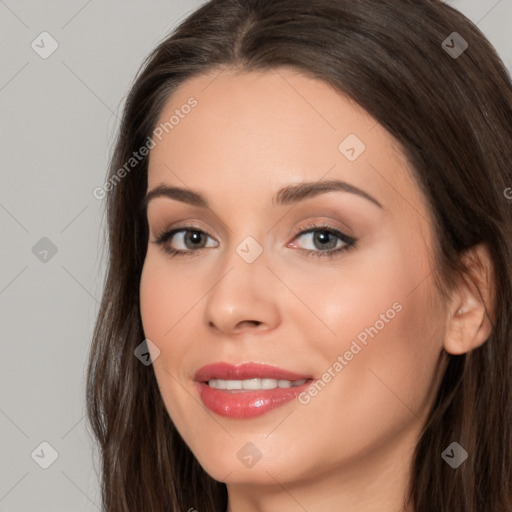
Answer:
(226, 371)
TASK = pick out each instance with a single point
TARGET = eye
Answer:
(188, 239)
(325, 241)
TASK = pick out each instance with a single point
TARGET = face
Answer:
(308, 255)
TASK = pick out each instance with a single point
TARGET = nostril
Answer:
(250, 322)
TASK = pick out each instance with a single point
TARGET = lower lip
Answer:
(247, 404)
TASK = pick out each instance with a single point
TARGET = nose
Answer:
(244, 299)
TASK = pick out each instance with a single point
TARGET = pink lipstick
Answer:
(247, 390)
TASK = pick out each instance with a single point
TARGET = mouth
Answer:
(248, 390)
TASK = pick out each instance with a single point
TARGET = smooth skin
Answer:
(350, 447)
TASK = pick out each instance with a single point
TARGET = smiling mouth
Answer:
(247, 390)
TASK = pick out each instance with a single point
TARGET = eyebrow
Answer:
(285, 196)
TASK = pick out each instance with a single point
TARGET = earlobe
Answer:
(468, 322)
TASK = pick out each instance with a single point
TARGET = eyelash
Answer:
(350, 243)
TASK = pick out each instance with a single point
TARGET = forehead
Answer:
(264, 111)
(259, 131)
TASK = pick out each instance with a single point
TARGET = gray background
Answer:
(59, 117)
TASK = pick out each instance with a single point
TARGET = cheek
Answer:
(389, 381)
(165, 297)
(154, 300)
(164, 304)
(386, 327)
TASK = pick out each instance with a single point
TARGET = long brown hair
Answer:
(452, 116)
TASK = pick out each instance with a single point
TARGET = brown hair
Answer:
(453, 120)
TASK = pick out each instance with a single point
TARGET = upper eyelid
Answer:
(335, 216)
(196, 224)
(181, 227)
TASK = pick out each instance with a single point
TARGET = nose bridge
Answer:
(243, 294)
(245, 266)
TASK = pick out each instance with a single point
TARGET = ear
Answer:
(472, 302)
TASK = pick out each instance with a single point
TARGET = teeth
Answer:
(253, 384)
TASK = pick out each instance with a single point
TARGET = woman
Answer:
(373, 376)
